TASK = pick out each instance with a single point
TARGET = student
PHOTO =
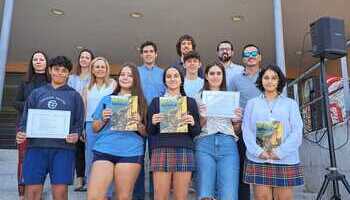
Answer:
(35, 77)
(55, 157)
(217, 157)
(172, 158)
(193, 84)
(118, 154)
(184, 45)
(100, 85)
(151, 76)
(283, 160)
(79, 80)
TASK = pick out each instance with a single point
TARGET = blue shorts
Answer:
(58, 163)
(117, 159)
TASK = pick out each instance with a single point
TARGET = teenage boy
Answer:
(193, 83)
(55, 157)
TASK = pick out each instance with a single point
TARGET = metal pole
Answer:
(345, 76)
(333, 167)
(4, 42)
(279, 41)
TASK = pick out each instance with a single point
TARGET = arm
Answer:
(99, 121)
(19, 101)
(249, 136)
(193, 111)
(79, 112)
(152, 109)
(294, 138)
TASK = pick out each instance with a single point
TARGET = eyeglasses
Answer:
(250, 54)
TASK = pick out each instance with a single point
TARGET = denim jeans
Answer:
(217, 162)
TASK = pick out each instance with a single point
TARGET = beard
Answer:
(225, 57)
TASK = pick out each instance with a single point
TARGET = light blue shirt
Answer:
(245, 85)
(116, 143)
(77, 83)
(151, 82)
(231, 71)
(192, 87)
(284, 110)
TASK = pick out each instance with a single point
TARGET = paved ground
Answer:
(8, 181)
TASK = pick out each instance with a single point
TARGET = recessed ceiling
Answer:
(106, 27)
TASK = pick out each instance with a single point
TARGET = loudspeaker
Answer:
(328, 38)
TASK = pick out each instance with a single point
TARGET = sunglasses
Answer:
(250, 54)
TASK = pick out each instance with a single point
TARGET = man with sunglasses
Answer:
(244, 83)
(224, 51)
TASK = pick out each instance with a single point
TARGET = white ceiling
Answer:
(105, 26)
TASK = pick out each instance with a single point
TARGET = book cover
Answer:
(124, 109)
(269, 134)
(173, 108)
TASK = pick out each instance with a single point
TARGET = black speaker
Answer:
(328, 38)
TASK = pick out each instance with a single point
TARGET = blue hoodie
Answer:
(62, 98)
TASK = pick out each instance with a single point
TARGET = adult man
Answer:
(244, 83)
(152, 86)
(184, 45)
(55, 157)
(224, 51)
(193, 84)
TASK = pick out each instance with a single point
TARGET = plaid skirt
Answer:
(172, 160)
(275, 175)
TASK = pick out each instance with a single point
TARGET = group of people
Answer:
(222, 154)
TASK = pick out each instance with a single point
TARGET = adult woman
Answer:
(35, 77)
(172, 157)
(278, 155)
(100, 85)
(79, 80)
(217, 155)
(118, 154)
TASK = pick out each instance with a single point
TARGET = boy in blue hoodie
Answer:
(55, 157)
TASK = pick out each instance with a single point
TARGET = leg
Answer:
(89, 144)
(244, 189)
(35, 169)
(33, 192)
(205, 168)
(101, 176)
(125, 177)
(139, 188)
(262, 192)
(282, 193)
(227, 177)
(21, 152)
(181, 183)
(80, 165)
(162, 181)
(59, 192)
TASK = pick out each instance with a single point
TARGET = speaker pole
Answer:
(333, 174)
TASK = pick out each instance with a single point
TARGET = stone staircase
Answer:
(8, 129)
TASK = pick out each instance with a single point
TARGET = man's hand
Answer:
(72, 138)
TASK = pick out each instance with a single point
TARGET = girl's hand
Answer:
(188, 119)
(273, 156)
(157, 118)
(264, 155)
(237, 115)
(106, 114)
(20, 137)
(203, 111)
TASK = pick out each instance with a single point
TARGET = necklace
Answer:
(271, 104)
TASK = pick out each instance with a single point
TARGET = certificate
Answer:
(43, 123)
(221, 103)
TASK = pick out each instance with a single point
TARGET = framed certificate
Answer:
(43, 123)
(221, 103)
